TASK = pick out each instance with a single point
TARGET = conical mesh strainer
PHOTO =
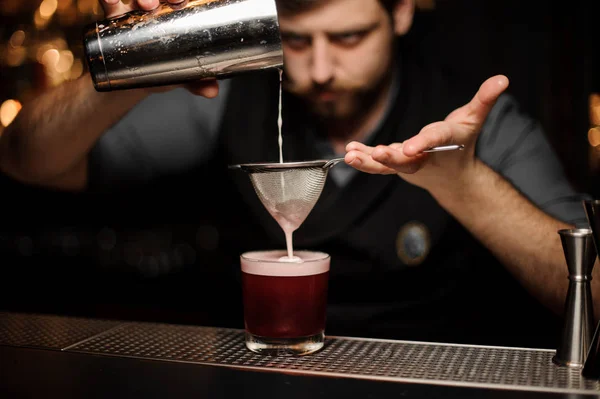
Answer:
(289, 190)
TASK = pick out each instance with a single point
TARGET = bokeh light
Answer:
(8, 111)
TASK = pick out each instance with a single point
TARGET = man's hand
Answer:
(113, 8)
(433, 170)
(206, 87)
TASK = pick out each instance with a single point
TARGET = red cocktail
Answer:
(285, 302)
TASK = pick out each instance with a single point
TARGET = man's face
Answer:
(337, 55)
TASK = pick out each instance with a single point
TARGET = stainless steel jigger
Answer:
(591, 367)
(580, 254)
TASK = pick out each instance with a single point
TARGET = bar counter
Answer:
(71, 357)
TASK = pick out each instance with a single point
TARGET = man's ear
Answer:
(403, 14)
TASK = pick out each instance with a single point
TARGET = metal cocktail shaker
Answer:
(169, 45)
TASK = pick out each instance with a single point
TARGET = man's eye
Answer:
(348, 39)
(296, 42)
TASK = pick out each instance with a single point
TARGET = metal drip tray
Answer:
(50, 332)
(456, 365)
(513, 369)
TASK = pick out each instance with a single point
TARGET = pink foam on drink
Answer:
(268, 263)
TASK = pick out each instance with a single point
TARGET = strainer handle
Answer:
(332, 162)
(446, 148)
(453, 147)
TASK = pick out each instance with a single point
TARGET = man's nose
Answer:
(322, 62)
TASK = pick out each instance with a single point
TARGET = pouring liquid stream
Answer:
(288, 232)
(280, 120)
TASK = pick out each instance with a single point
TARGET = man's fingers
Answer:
(205, 88)
(383, 160)
(358, 146)
(433, 135)
(113, 7)
(395, 159)
(480, 105)
(489, 92)
(363, 162)
(148, 5)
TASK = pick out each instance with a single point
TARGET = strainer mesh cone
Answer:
(289, 195)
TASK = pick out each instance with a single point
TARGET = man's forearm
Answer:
(520, 235)
(54, 133)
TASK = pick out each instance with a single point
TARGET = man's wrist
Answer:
(462, 187)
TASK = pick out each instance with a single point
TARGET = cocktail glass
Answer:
(285, 302)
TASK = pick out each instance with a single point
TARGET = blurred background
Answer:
(548, 50)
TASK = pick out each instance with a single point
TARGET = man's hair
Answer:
(293, 6)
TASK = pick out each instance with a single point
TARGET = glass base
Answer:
(285, 346)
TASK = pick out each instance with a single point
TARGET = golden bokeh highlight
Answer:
(594, 136)
(17, 39)
(8, 111)
(48, 8)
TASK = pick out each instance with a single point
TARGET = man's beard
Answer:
(348, 106)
